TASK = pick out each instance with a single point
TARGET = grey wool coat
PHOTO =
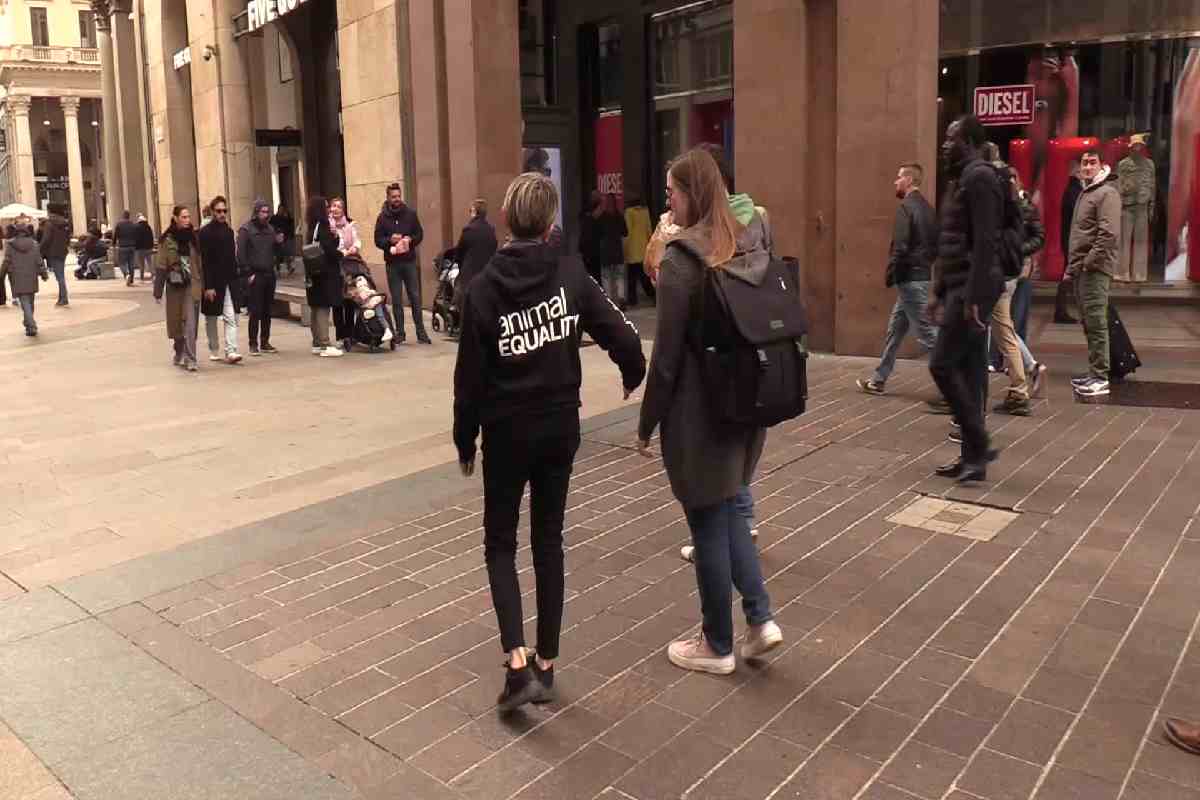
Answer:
(706, 462)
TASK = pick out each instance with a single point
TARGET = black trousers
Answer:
(959, 368)
(512, 458)
(259, 297)
(407, 275)
(636, 274)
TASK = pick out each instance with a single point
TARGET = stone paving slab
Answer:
(917, 664)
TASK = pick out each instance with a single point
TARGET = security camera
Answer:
(209, 52)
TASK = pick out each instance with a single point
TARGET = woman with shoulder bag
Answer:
(707, 462)
(322, 275)
(179, 276)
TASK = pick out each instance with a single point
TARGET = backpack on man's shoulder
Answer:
(751, 349)
(1012, 229)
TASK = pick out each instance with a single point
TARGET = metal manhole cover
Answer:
(968, 520)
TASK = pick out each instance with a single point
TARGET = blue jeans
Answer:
(1022, 299)
(725, 557)
(59, 267)
(909, 312)
(26, 301)
(125, 261)
(744, 501)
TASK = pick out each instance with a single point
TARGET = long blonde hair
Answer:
(697, 175)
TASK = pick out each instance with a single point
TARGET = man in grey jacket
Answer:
(914, 242)
(1091, 263)
(256, 260)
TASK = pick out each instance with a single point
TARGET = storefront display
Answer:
(1136, 101)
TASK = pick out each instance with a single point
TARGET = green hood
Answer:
(742, 206)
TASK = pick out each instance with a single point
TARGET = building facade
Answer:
(50, 108)
(815, 103)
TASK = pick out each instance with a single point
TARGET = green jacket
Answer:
(1135, 178)
(1096, 228)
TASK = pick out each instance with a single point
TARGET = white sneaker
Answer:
(233, 358)
(318, 350)
(216, 358)
(761, 640)
(387, 335)
(695, 655)
(754, 534)
(331, 352)
(687, 553)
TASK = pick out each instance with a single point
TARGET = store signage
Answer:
(1005, 105)
(278, 137)
(610, 155)
(183, 58)
(260, 12)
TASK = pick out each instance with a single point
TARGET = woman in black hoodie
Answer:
(518, 377)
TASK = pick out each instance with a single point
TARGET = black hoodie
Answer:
(404, 222)
(518, 357)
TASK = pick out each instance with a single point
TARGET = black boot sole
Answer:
(528, 694)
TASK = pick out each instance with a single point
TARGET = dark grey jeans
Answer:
(408, 276)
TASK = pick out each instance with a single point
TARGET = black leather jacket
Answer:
(914, 241)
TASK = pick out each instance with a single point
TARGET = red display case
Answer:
(1061, 155)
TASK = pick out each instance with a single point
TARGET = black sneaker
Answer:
(546, 679)
(1016, 406)
(268, 349)
(520, 687)
(939, 406)
(955, 435)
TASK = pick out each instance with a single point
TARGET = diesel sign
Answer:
(1004, 105)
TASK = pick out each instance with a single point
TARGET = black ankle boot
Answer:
(520, 687)
(546, 679)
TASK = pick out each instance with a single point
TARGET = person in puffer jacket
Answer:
(518, 377)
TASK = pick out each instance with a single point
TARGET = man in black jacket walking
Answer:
(476, 246)
(125, 236)
(398, 234)
(518, 377)
(256, 245)
(54, 240)
(914, 241)
(222, 295)
(970, 281)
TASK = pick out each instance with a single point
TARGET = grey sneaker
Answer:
(869, 386)
(761, 639)
(1096, 387)
(694, 654)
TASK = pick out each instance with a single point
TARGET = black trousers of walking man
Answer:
(959, 368)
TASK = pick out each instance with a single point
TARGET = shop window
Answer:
(39, 27)
(1138, 101)
(538, 38)
(609, 68)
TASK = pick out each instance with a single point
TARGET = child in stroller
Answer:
(446, 314)
(366, 308)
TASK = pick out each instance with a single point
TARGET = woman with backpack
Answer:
(707, 461)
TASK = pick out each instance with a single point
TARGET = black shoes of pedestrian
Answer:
(965, 472)
(939, 406)
(1016, 407)
(951, 470)
(1065, 319)
(546, 678)
(423, 338)
(521, 686)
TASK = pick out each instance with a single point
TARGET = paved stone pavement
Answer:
(355, 656)
(324, 631)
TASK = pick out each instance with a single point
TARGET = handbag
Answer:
(314, 256)
(181, 276)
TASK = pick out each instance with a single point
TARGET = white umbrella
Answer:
(15, 210)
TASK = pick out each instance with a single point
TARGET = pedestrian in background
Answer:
(1066, 289)
(144, 254)
(476, 246)
(125, 236)
(589, 235)
(707, 463)
(256, 260)
(222, 287)
(54, 242)
(23, 263)
(179, 278)
(322, 286)
(1092, 261)
(611, 232)
(518, 377)
(637, 235)
(285, 238)
(909, 268)
(398, 233)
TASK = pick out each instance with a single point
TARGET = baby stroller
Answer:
(445, 314)
(91, 255)
(371, 327)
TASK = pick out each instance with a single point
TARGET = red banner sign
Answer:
(1005, 105)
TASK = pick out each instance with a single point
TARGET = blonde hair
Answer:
(697, 175)
(530, 205)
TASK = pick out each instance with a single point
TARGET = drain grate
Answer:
(968, 520)
(1149, 394)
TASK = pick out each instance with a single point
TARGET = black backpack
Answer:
(1012, 230)
(751, 346)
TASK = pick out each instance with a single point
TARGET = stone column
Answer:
(70, 107)
(26, 186)
(129, 121)
(113, 192)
